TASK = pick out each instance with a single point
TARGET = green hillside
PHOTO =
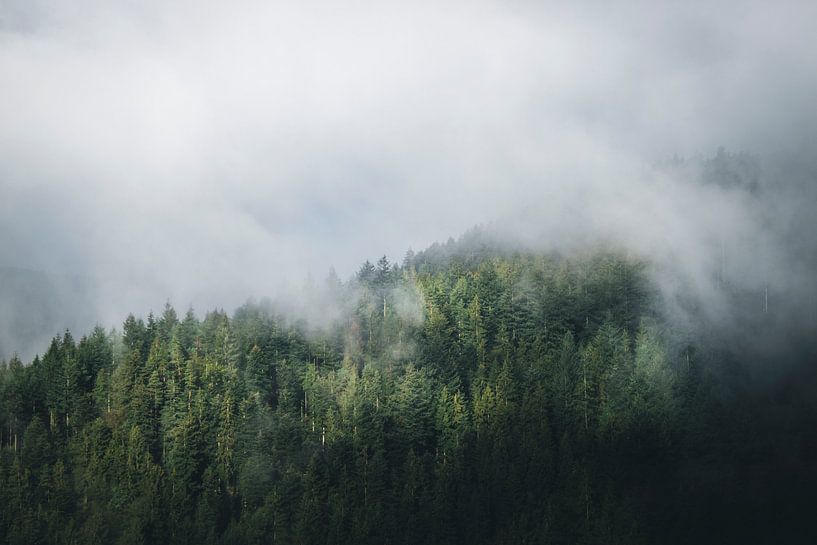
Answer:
(467, 396)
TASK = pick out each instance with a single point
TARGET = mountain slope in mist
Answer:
(463, 397)
(705, 222)
(623, 351)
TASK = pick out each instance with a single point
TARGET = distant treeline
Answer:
(463, 397)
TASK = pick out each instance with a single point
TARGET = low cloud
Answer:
(206, 152)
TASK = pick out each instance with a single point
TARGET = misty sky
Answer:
(205, 152)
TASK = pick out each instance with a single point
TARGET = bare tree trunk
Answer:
(584, 378)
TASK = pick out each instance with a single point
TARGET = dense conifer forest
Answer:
(468, 395)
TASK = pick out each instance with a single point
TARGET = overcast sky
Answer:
(204, 152)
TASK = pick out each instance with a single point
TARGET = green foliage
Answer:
(468, 397)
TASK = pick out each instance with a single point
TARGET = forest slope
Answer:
(479, 398)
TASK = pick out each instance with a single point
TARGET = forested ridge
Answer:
(461, 397)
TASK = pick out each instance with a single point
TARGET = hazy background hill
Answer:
(35, 305)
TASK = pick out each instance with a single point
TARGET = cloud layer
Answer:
(205, 152)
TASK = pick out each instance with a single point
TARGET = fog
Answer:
(203, 153)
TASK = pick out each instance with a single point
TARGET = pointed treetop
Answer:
(366, 272)
(408, 259)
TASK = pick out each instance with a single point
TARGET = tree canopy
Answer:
(466, 396)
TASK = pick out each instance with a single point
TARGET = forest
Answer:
(467, 395)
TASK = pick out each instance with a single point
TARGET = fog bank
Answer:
(202, 153)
